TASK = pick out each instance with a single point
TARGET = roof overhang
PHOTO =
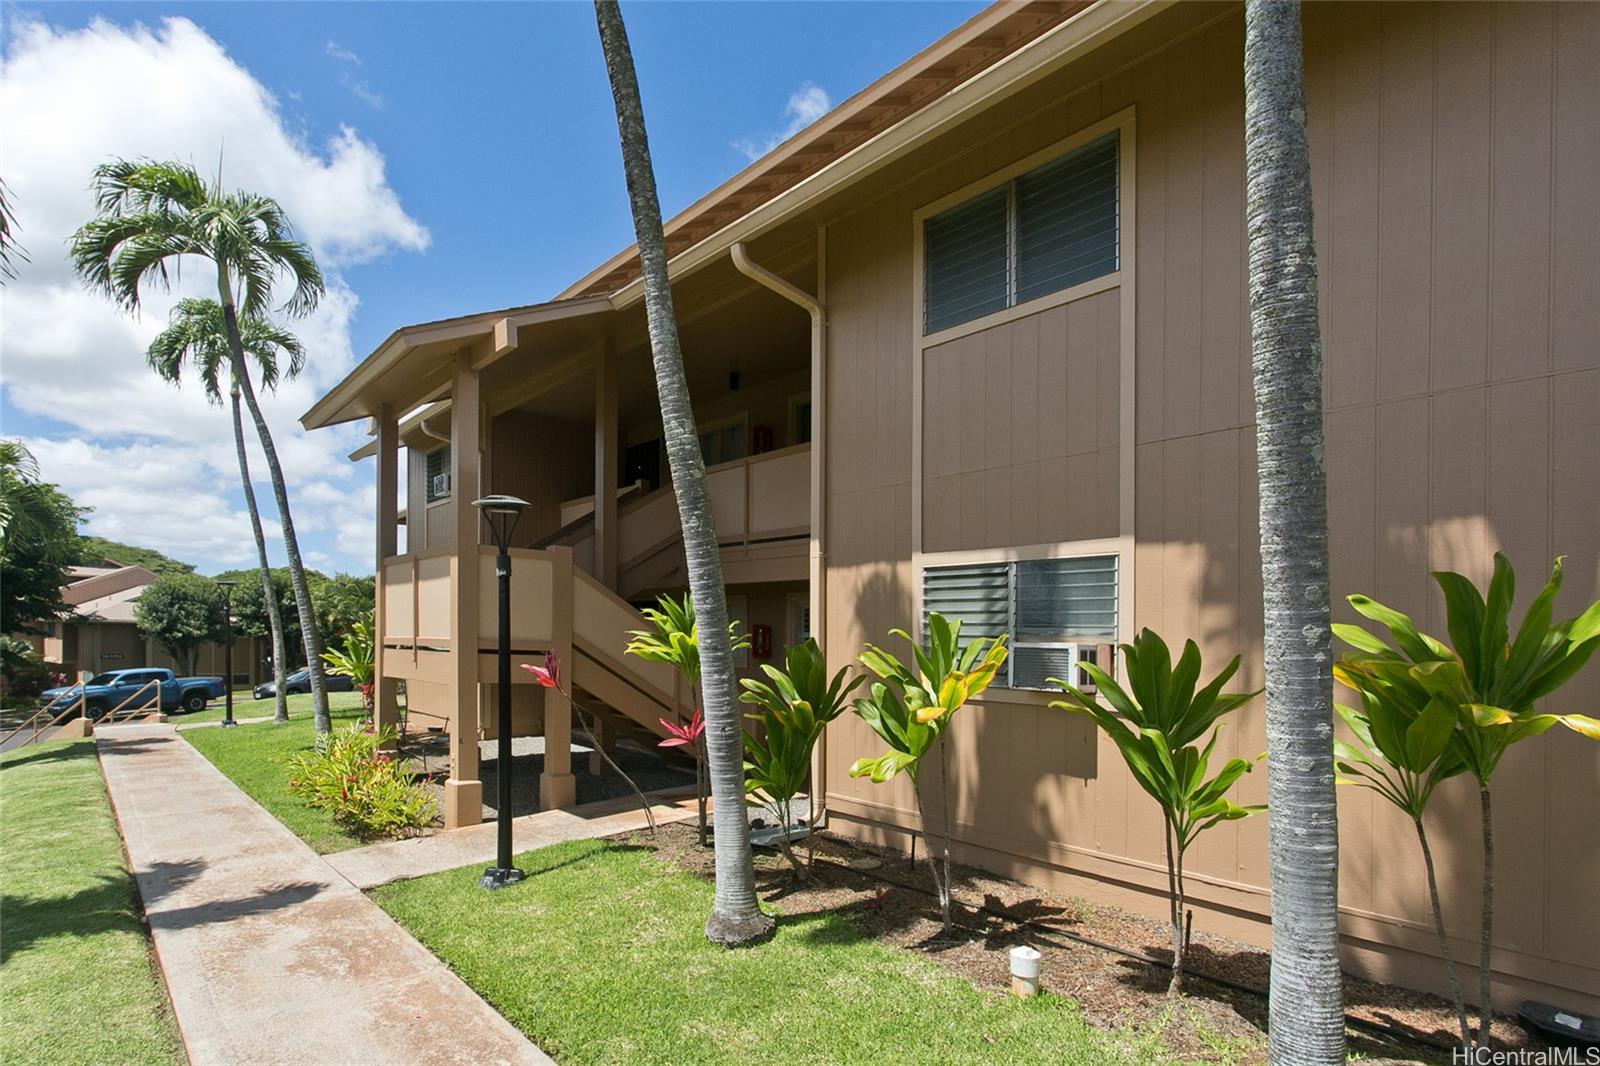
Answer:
(414, 357)
(405, 371)
(1086, 31)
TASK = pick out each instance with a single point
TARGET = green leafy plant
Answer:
(357, 660)
(1157, 724)
(672, 639)
(793, 711)
(368, 790)
(1488, 684)
(911, 709)
(1407, 744)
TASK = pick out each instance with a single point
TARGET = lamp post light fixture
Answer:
(227, 650)
(501, 514)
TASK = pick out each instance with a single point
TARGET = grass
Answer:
(77, 981)
(256, 758)
(600, 957)
(247, 706)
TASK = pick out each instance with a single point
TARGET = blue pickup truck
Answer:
(105, 692)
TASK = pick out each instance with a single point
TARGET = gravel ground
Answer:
(650, 770)
(1210, 1023)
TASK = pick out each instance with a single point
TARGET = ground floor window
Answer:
(1059, 612)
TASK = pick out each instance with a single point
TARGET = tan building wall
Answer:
(1454, 149)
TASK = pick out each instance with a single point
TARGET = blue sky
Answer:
(442, 158)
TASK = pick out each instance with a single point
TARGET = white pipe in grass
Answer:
(1024, 971)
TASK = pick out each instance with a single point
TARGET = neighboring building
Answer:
(100, 633)
(984, 327)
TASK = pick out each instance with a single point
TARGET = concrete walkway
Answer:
(271, 956)
(394, 860)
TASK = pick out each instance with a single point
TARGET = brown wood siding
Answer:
(1454, 149)
(1022, 420)
(544, 461)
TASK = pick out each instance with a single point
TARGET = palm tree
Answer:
(736, 917)
(1306, 1015)
(152, 214)
(8, 239)
(198, 335)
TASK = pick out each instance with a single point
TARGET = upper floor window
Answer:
(1048, 229)
(1059, 612)
(436, 474)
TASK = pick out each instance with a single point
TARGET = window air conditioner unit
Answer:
(440, 485)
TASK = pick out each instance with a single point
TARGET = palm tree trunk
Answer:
(310, 635)
(269, 595)
(1444, 940)
(736, 916)
(1486, 943)
(1306, 1014)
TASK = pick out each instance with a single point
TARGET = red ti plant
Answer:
(690, 736)
(549, 676)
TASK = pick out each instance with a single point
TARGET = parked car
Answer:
(300, 681)
(105, 692)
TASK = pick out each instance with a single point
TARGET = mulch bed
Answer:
(1210, 1023)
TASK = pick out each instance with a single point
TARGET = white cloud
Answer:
(158, 464)
(806, 104)
(341, 53)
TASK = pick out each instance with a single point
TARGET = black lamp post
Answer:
(227, 650)
(501, 514)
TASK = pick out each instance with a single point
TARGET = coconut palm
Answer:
(736, 917)
(198, 335)
(149, 216)
(1306, 1015)
(8, 238)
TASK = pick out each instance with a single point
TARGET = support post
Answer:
(606, 736)
(605, 466)
(385, 695)
(463, 790)
(557, 786)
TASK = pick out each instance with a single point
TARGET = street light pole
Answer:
(501, 514)
(227, 650)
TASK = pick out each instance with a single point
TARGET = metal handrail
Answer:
(111, 715)
(80, 705)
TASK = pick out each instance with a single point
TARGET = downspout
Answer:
(817, 571)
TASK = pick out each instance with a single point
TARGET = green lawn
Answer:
(246, 706)
(600, 957)
(256, 757)
(77, 984)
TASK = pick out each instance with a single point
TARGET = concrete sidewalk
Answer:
(394, 860)
(271, 956)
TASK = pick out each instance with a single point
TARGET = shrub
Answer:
(368, 790)
(912, 707)
(793, 711)
(1461, 708)
(1157, 724)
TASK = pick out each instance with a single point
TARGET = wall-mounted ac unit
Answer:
(439, 486)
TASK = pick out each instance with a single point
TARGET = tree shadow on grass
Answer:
(107, 905)
(53, 752)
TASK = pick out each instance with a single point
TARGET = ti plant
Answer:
(1488, 684)
(1157, 724)
(793, 711)
(672, 639)
(1406, 746)
(356, 660)
(911, 709)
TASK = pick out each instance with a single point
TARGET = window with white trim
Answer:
(1059, 612)
(1049, 229)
